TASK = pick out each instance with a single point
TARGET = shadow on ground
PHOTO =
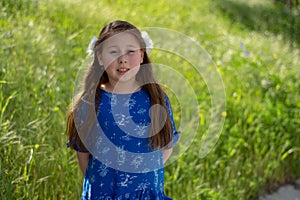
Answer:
(272, 18)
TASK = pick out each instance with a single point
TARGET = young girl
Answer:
(121, 125)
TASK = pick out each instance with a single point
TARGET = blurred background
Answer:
(254, 45)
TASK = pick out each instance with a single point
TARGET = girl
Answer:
(121, 125)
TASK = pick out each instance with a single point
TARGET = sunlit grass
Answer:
(43, 45)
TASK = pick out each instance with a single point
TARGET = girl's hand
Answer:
(83, 160)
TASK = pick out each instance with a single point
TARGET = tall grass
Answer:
(43, 45)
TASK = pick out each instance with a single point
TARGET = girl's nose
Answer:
(123, 59)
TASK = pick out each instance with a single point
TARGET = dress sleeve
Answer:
(175, 134)
(82, 114)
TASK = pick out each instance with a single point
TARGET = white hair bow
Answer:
(148, 41)
(90, 49)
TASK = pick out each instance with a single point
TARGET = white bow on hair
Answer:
(90, 49)
(148, 41)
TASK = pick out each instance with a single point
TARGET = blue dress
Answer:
(122, 165)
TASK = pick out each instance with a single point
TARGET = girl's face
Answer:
(121, 57)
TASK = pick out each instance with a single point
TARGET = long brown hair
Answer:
(91, 95)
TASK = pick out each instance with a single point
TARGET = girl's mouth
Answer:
(123, 70)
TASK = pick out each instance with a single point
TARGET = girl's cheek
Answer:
(135, 60)
(110, 61)
(110, 65)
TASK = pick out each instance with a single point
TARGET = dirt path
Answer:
(287, 192)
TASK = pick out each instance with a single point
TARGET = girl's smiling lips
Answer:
(123, 70)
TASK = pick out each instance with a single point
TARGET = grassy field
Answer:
(255, 45)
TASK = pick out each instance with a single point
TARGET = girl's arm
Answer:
(167, 154)
(83, 160)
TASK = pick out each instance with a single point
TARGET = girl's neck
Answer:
(121, 88)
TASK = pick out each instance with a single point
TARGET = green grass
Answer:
(256, 51)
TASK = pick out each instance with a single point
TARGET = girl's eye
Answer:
(113, 52)
(131, 51)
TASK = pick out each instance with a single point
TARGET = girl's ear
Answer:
(99, 58)
(142, 56)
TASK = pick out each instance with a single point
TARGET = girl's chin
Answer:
(125, 79)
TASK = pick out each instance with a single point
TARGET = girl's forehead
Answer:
(121, 39)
